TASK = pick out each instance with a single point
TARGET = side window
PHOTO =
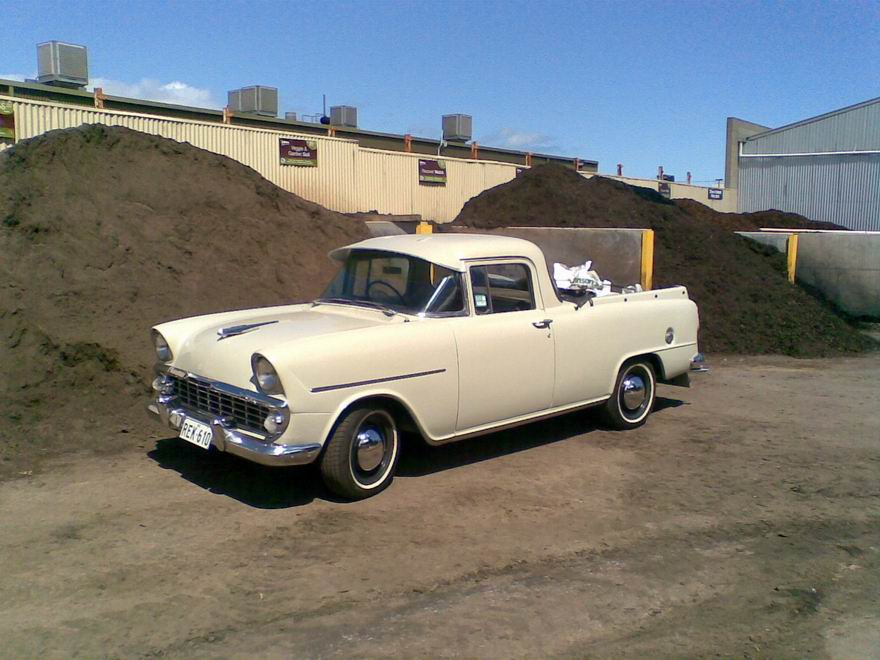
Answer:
(480, 286)
(502, 288)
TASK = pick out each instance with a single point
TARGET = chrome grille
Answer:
(202, 398)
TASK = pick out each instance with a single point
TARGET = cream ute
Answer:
(447, 335)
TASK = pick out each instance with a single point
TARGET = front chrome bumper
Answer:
(234, 441)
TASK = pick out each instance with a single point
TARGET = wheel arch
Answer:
(657, 363)
(651, 357)
(402, 413)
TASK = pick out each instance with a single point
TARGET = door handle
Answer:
(543, 324)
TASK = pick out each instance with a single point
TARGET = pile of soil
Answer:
(772, 219)
(746, 303)
(105, 232)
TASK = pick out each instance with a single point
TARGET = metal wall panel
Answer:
(843, 189)
(854, 129)
(348, 178)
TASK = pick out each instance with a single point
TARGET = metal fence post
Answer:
(791, 254)
(647, 268)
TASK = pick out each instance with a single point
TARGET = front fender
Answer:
(414, 364)
(377, 396)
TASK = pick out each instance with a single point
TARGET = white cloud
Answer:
(154, 90)
(147, 89)
(513, 139)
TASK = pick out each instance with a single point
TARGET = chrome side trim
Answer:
(515, 422)
(373, 381)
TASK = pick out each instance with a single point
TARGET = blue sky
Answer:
(638, 83)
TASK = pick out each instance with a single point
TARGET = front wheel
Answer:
(633, 397)
(361, 454)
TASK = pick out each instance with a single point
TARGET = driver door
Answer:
(506, 349)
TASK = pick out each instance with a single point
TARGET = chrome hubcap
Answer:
(634, 392)
(370, 448)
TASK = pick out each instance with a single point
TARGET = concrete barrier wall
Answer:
(776, 240)
(616, 253)
(844, 266)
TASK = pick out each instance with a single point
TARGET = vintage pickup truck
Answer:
(447, 335)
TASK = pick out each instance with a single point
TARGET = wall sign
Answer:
(432, 172)
(7, 121)
(664, 189)
(716, 193)
(302, 153)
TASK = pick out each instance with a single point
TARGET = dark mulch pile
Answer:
(746, 303)
(771, 219)
(105, 232)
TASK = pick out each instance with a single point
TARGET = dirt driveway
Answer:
(744, 520)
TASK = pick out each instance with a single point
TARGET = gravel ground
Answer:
(742, 520)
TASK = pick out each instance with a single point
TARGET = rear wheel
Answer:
(633, 397)
(361, 454)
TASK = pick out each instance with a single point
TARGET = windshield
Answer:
(397, 282)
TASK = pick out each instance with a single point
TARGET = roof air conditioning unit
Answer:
(290, 116)
(457, 128)
(61, 64)
(344, 115)
(255, 100)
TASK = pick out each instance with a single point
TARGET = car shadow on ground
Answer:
(264, 487)
(420, 459)
(251, 484)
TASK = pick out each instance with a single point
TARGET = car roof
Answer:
(448, 250)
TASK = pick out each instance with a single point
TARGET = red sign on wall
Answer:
(432, 172)
(303, 153)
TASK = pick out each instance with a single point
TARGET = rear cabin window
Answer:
(502, 288)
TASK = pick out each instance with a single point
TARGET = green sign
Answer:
(7, 121)
(303, 153)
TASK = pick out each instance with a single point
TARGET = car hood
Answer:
(220, 346)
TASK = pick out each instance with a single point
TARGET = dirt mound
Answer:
(107, 231)
(753, 221)
(746, 303)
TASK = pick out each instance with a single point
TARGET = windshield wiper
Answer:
(385, 309)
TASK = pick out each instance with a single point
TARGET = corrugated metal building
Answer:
(354, 170)
(826, 168)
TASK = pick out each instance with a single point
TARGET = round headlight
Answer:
(265, 376)
(163, 351)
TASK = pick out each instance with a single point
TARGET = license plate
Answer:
(196, 433)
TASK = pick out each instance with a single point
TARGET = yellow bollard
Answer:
(792, 257)
(647, 259)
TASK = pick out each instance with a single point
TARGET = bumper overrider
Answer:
(174, 405)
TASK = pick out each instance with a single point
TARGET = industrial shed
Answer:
(826, 168)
